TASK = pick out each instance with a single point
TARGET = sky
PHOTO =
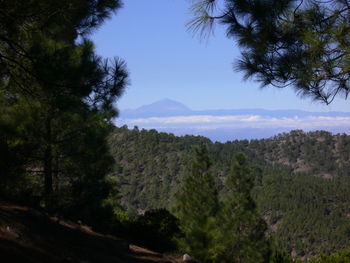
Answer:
(165, 60)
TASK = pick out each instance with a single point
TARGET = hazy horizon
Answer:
(226, 125)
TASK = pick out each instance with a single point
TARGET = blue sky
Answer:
(167, 61)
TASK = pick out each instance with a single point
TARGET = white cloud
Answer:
(196, 119)
(210, 122)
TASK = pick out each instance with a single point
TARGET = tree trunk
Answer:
(48, 159)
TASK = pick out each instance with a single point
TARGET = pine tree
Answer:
(303, 44)
(197, 208)
(241, 230)
(57, 96)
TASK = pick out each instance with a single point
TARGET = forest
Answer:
(300, 180)
(277, 200)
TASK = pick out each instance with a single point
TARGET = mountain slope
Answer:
(164, 107)
(302, 180)
(26, 235)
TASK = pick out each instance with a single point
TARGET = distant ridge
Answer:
(168, 108)
(162, 108)
(232, 124)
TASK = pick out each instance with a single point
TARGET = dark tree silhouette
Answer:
(303, 43)
(57, 96)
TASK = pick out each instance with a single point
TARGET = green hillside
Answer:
(301, 180)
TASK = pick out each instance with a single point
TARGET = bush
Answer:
(156, 229)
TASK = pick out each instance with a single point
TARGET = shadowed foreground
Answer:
(29, 236)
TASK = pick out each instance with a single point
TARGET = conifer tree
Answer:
(303, 43)
(57, 96)
(197, 207)
(241, 231)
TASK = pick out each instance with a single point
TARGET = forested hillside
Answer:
(301, 180)
(75, 188)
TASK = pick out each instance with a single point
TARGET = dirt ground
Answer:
(26, 235)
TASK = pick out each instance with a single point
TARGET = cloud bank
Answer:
(237, 121)
(233, 127)
(222, 125)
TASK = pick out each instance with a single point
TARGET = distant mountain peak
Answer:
(165, 104)
(164, 107)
